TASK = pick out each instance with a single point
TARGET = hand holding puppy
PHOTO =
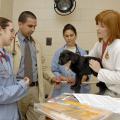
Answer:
(27, 81)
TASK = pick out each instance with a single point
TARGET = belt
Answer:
(34, 84)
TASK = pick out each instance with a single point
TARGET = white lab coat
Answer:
(110, 73)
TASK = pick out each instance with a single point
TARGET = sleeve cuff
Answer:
(23, 84)
(99, 76)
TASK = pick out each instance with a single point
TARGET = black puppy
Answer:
(80, 66)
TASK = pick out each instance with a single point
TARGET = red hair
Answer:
(111, 19)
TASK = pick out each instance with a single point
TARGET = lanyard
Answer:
(3, 55)
(104, 46)
(13, 50)
(77, 50)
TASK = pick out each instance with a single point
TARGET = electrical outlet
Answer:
(49, 41)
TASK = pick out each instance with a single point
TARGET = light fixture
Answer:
(64, 7)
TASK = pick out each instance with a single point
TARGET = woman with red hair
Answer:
(108, 49)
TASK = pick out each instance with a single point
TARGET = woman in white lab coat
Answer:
(108, 49)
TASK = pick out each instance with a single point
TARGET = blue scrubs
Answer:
(11, 90)
(59, 70)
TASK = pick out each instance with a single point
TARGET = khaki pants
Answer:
(26, 105)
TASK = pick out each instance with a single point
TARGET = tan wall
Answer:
(0, 7)
(6, 8)
(50, 24)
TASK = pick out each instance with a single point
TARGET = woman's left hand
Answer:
(94, 65)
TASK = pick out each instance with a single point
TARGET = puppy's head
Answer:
(67, 56)
(64, 57)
